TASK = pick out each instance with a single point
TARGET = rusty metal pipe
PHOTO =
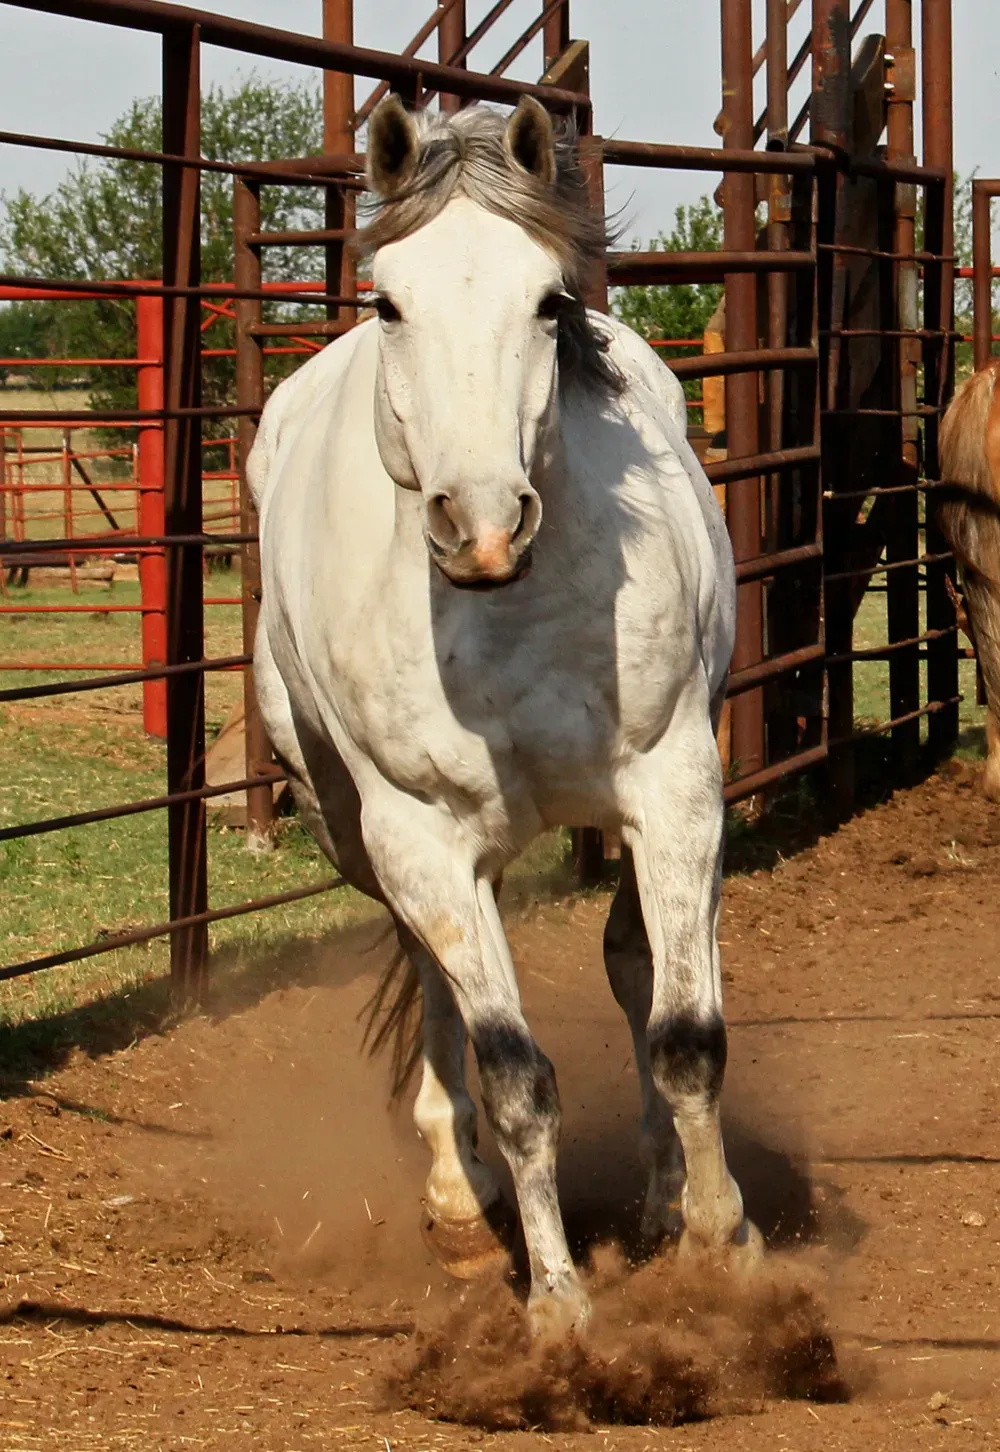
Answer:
(338, 138)
(982, 275)
(186, 822)
(707, 158)
(555, 34)
(451, 38)
(402, 72)
(938, 138)
(176, 927)
(250, 393)
(742, 435)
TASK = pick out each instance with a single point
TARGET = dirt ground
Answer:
(211, 1237)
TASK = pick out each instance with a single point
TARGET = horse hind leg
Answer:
(465, 1223)
(629, 965)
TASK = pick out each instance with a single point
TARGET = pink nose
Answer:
(471, 552)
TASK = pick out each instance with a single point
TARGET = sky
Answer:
(654, 77)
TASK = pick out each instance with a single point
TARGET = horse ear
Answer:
(393, 147)
(529, 141)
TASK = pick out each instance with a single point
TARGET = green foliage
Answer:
(105, 221)
(681, 311)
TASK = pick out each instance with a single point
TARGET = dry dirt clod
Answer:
(974, 1218)
(938, 1401)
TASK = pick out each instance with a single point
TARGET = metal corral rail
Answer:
(793, 485)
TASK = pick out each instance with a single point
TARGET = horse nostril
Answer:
(440, 523)
(526, 519)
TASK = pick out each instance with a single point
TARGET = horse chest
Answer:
(521, 725)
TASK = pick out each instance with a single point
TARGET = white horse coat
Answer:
(439, 703)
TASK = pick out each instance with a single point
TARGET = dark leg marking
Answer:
(688, 1055)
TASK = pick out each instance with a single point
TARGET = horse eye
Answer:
(552, 304)
(388, 312)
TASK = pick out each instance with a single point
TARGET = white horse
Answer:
(498, 598)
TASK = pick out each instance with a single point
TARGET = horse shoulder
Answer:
(317, 382)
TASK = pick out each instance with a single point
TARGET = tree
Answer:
(104, 221)
(681, 311)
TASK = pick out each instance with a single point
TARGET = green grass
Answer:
(871, 679)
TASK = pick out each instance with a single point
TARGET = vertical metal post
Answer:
(250, 394)
(150, 517)
(555, 34)
(903, 532)
(338, 139)
(783, 492)
(982, 276)
(67, 489)
(451, 38)
(938, 129)
(588, 842)
(3, 499)
(742, 420)
(183, 506)
(830, 127)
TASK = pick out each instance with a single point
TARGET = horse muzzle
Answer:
(486, 557)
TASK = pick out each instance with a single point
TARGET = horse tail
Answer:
(969, 512)
(393, 1017)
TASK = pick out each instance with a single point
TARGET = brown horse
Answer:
(969, 517)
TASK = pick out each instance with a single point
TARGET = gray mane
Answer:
(464, 155)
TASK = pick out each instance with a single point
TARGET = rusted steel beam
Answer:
(743, 510)
(297, 172)
(830, 101)
(982, 273)
(767, 670)
(758, 781)
(451, 38)
(186, 824)
(338, 137)
(305, 330)
(738, 468)
(628, 268)
(887, 652)
(770, 564)
(103, 543)
(125, 678)
(307, 294)
(939, 358)
(298, 239)
(151, 520)
(132, 809)
(717, 365)
(402, 72)
(250, 393)
(707, 158)
(555, 33)
(902, 523)
(194, 921)
(830, 125)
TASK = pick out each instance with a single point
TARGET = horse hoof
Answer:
(742, 1254)
(470, 1249)
(661, 1226)
(555, 1315)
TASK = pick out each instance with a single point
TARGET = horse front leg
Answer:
(426, 873)
(676, 842)
(464, 1222)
